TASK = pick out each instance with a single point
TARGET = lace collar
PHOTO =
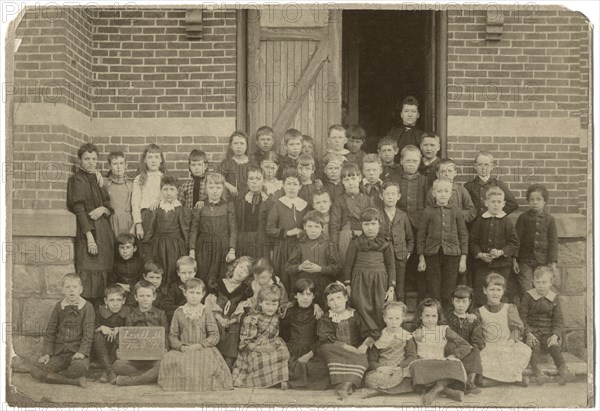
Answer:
(80, 303)
(536, 296)
(243, 160)
(297, 202)
(487, 214)
(170, 206)
(338, 318)
(273, 185)
(192, 312)
(250, 196)
(387, 337)
(342, 152)
(118, 180)
(156, 173)
(96, 173)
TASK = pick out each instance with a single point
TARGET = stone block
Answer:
(576, 343)
(36, 313)
(54, 275)
(27, 279)
(574, 311)
(14, 316)
(41, 250)
(27, 347)
(571, 252)
(575, 281)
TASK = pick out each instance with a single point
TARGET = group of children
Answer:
(289, 270)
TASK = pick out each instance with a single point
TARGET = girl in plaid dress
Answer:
(194, 363)
(263, 358)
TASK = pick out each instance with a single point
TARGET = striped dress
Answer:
(255, 369)
(199, 370)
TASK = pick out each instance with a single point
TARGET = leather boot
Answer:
(428, 398)
(455, 395)
(471, 388)
(54, 378)
(564, 375)
(343, 389)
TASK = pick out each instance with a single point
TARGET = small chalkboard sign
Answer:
(141, 343)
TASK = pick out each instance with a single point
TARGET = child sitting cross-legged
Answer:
(109, 318)
(194, 363)
(68, 338)
(141, 372)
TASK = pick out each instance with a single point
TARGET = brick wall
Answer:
(539, 69)
(144, 66)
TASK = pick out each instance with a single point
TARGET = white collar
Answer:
(337, 318)
(243, 160)
(536, 296)
(192, 312)
(156, 173)
(272, 186)
(387, 337)
(168, 206)
(80, 303)
(297, 202)
(249, 195)
(342, 152)
(487, 214)
(427, 162)
(485, 180)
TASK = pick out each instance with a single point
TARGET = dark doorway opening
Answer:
(387, 56)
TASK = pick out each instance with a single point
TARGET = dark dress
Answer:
(127, 271)
(299, 331)
(213, 232)
(472, 333)
(251, 233)
(236, 173)
(83, 196)
(167, 238)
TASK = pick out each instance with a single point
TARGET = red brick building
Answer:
(514, 81)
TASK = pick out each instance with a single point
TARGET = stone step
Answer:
(576, 365)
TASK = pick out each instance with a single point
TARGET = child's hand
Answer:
(44, 359)
(313, 268)
(78, 356)
(496, 253)
(306, 357)
(199, 204)
(184, 348)
(125, 287)
(462, 265)
(294, 232)
(553, 340)
(516, 268)
(96, 213)
(154, 205)
(230, 257)
(419, 335)
(348, 347)
(193, 254)
(105, 330)
(232, 189)
(485, 257)
(362, 349)
(451, 357)
(422, 265)
(471, 317)
(349, 290)
(318, 312)
(139, 231)
(92, 247)
(389, 295)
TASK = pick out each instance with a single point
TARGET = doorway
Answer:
(388, 55)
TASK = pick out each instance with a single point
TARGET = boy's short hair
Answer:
(153, 267)
(336, 287)
(194, 283)
(389, 184)
(462, 291)
(254, 169)
(114, 154)
(410, 101)
(290, 172)
(484, 153)
(243, 261)
(264, 131)
(304, 284)
(114, 289)
(72, 277)
(87, 148)
(269, 292)
(372, 158)
(125, 238)
(306, 160)
(493, 191)
(319, 192)
(430, 135)
(197, 155)
(444, 162)
(543, 271)
(313, 216)
(389, 305)
(270, 156)
(495, 279)
(337, 127)
(307, 139)
(291, 134)
(387, 141)
(143, 284)
(369, 214)
(186, 260)
(350, 170)
(169, 181)
(356, 132)
(410, 149)
(333, 158)
(215, 178)
(437, 182)
(540, 188)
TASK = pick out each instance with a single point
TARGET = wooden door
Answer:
(294, 74)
